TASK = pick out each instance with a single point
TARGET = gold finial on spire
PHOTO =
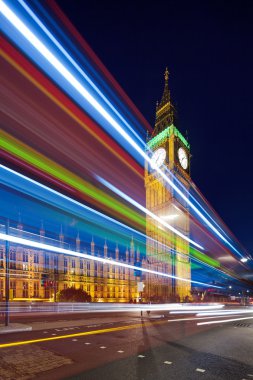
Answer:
(166, 74)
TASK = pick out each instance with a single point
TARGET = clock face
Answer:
(183, 159)
(158, 158)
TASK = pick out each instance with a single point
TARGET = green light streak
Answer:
(37, 160)
(204, 258)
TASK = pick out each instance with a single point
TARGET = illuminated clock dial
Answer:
(158, 158)
(183, 159)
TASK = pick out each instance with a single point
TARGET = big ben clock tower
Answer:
(166, 251)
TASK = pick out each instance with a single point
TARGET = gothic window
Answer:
(1, 257)
(12, 258)
(36, 289)
(25, 256)
(56, 263)
(65, 265)
(73, 266)
(13, 288)
(46, 259)
(36, 258)
(25, 289)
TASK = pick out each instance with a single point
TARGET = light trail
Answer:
(190, 309)
(225, 312)
(98, 307)
(146, 211)
(43, 50)
(86, 333)
(223, 321)
(103, 331)
(97, 213)
(84, 75)
(94, 332)
(52, 248)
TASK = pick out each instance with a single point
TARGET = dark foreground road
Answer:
(128, 347)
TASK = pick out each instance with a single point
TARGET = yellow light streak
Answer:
(86, 333)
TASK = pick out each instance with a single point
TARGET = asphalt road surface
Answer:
(159, 346)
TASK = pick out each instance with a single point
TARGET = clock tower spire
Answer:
(169, 150)
(165, 111)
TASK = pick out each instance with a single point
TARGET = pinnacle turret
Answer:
(165, 111)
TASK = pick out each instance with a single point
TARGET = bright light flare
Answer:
(146, 211)
(52, 248)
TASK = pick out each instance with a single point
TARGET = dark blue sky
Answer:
(207, 46)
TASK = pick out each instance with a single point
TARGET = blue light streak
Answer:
(52, 248)
(93, 104)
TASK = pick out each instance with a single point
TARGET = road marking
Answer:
(120, 351)
(87, 343)
(86, 333)
(141, 356)
(74, 340)
(166, 362)
(200, 370)
(250, 375)
(53, 334)
(45, 332)
(103, 347)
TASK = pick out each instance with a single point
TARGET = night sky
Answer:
(208, 48)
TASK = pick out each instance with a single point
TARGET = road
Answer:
(126, 346)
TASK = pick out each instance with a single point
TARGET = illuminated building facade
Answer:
(167, 252)
(39, 275)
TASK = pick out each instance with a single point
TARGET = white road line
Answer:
(74, 340)
(250, 375)
(200, 370)
(120, 351)
(103, 347)
(45, 332)
(141, 356)
(87, 343)
(53, 334)
(166, 362)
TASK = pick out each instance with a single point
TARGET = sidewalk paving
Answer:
(14, 327)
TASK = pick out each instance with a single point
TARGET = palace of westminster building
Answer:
(37, 274)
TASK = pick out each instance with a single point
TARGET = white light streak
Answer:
(226, 312)
(42, 49)
(223, 321)
(52, 248)
(73, 62)
(146, 211)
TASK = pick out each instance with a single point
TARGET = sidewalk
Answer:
(14, 327)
